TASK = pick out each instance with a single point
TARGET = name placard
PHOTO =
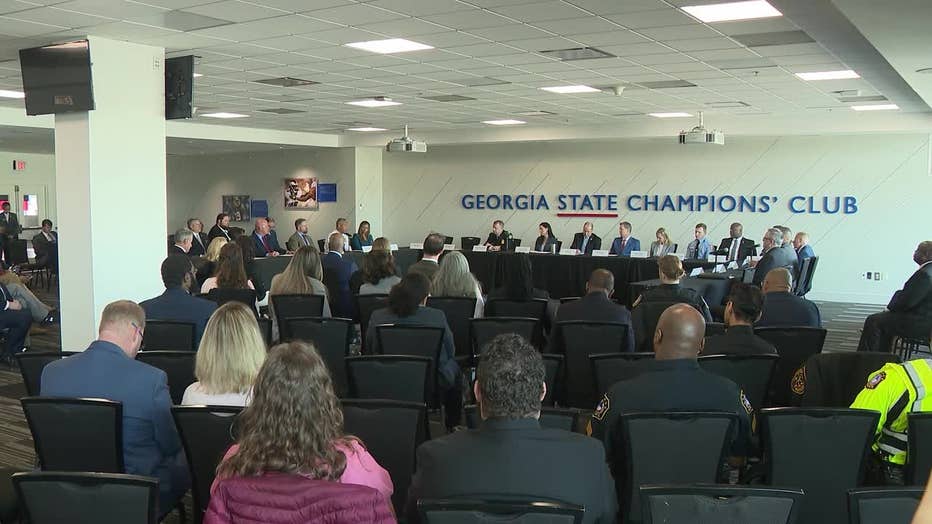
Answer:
(393, 247)
(568, 252)
(523, 249)
(416, 245)
(366, 249)
(721, 259)
(483, 249)
(710, 258)
(600, 252)
(449, 247)
(695, 272)
(639, 254)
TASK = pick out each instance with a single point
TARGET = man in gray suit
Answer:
(774, 256)
(300, 237)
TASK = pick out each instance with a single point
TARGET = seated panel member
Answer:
(736, 247)
(265, 244)
(782, 307)
(662, 246)
(199, 246)
(587, 241)
(498, 238)
(774, 256)
(787, 245)
(221, 229)
(342, 226)
(700, 247)
(184, 238)
(743, 309)
(624, 244)
(362, 238)
(802, 247)
(510, 455)
(300, 237)
(546, 241)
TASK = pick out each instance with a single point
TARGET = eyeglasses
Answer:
(138, 329)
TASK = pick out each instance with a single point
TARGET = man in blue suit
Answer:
(176, 303)
(338, 269)
(624, 244)
(266, 244)
(803, 249)
(783, 308)
(15, 317)
(108, 369)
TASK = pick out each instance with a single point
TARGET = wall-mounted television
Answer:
(57, 78)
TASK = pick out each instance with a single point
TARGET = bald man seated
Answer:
(781, 307)
(674, 382)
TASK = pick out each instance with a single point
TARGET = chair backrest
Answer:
(245, 296)
(483, 330)
(102, 498)
(295, 305)
(391, 432)
(178, 365)
(31, 365)
(580, 339)
(17, 252)
(553, 373)
(265, 327)
(168, 335)
(806, 273)
(388, 377)
(322, 244)
(609, 368)
(365, 305)
(714, 328)
(821, 450)
(682, 447)
(332, 337)
(644, 318)
(206, 434)
(531, 308)
(750, 372)
(919, 455)
(458, 310)
(461, 511)
(833, 380)
(564, 300)
(717, 503)
(467, 243)
(894, 505)
(553, 418)
(414, 341)
(794, 345)
(76, 434)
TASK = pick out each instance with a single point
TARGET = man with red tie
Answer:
(266, 244)
(624, 244)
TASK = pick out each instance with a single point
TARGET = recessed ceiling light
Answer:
(844, 74)
(375, 102)
(876, 107)
(570, 89)
(669, 115)
(197, 75)
(392, 45)
(732, 11)
(12, 94)
(367, 129)
(224, 115)
(505, 122)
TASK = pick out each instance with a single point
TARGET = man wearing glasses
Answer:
(176, 303)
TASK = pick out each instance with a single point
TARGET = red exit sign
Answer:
(19, 165)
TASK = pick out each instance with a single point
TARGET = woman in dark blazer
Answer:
(546, 241)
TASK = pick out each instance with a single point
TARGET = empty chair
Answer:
(177, 365)
(482, 330)
(553, 370)
(415, 341)
(223, 295)
(331, 337)
(644, 319)
(76, 434)
(794, 345)
(458, 310)
(391, 432)
(206, 434)
(101, 498)
(919, 454)
(554, 418)
(530, 308)
(579, 340)
(389, 377)
(883, 505)
(365, 305)
(467, 243)
(168, 335)
(750, 372)
(716, 503)
(607, 369)
(806, 273)
(820, 450)
(31, 364)
(460, 511)
(292, 306)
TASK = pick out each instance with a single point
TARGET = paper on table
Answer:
(710, 258)
(721, 259)
(719, 268)
(449, 247)
(732, 265)
(600, 252)
(393, 247)
(696, 271)
(523, 249)
(567, 251)
(416, 245)
(366, 249)
(480, 248)
(639, 254)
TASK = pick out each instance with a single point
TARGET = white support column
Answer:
(110, 179)
(368, 187)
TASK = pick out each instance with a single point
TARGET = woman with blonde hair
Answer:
(454, 280)
(213, 249)
(662, 246)
(381, 244)
(228, 359)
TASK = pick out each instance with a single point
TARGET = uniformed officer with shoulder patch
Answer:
(674, 382)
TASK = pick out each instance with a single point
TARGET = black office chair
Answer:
(609, 368)
(467, 243)
(332, 338)
(458, 310)
(751, 373)
(644, 319)
(168, 335)
(102, 498)
(292, 306)
(579, 339)
(803, 284)
(564, 300)
(833, 380)
(265, 327)
(31, 364)
(177, 365)
(483, 330)
(794, 345)
(464, 511)
(553, 373)
(206, 434)
(717, 503)
(919, 455)
(554, 418)
(821, 450)
(76, 434)
(389, 377)
(532, 308)
(392, 431)
(714, 328)
(894, 505)
(244, 296)
(365, 305)
(321, 243)
(681, 447)
(415, 341)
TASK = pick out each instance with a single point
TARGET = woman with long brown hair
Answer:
(230, 272)
(303, 276)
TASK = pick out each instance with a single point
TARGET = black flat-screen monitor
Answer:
(179, 87)
(57, 78)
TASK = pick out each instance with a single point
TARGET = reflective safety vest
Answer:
(895, 391)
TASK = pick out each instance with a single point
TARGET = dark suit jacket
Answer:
(773, 259)
(175, 250)
(804, 253)
(595, 307)
(45, 249)
(260, 247)
(507, 458)
(746, 249)
(545, 244)
(178, 305)
(428, 268)
(10, 227)
(423, 316)
(337, 272)
(217, 232)
(198, 249)
(916, 295)
(632, 244)
(738, 340)
(150, 440)
(786, 309)
(595, 243)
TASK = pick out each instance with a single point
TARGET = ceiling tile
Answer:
(356, 14)
(680, 32)
(469, 20)
(723, 54)
(510, 32)
(451, 39)
(14, 27)
(703, 44)
(297, 6)
(613, 7)
(790, 50)
(540, 11)
(617, 37)
(269, 27)
(764, 25)
(234, 10)
(117, 8)
(656, 18)
(420, 7)
(59, 17)
(182, 41)
(636, 49)
(577, 26)
(403, 28)
(482, 50)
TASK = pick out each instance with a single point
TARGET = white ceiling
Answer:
(241, 41)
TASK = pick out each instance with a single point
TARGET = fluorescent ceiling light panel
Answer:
(876, 107)
(505, 122)
(374, 102)
(197, 75)
(367, 129)
(845, 74)
(570, 89)
(224, 115)
(392, 45)
(12, 94)
(731, 11)
(669, 115)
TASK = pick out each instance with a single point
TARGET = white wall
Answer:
(40, 170)
(887, 173)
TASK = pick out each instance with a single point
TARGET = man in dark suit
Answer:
(586, 242)
(498, 238)
(18, 319)
(802, 247)
(10, 230)
(199, 243)
(510, 455)
(782, 307)
(909, 313)
(743, 309)
(774, 256)
(624, 243)
(221, 228)
(338, 269)
(596, 306)
(266, 245)
(184, 238)
(736, 247)
(429, 264)
(45, 245)
(176, 303)
(108, 369)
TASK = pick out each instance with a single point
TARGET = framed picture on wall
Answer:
(301, 193)
(237, 206)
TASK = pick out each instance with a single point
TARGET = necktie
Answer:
(622, 250)
(304, 238)
(585, 240)
(265, 242)
(734, 249)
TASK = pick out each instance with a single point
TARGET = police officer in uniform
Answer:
(674, 382)
(498, 238)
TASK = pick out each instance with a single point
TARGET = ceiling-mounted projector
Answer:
(406, 144)
(700, 135)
